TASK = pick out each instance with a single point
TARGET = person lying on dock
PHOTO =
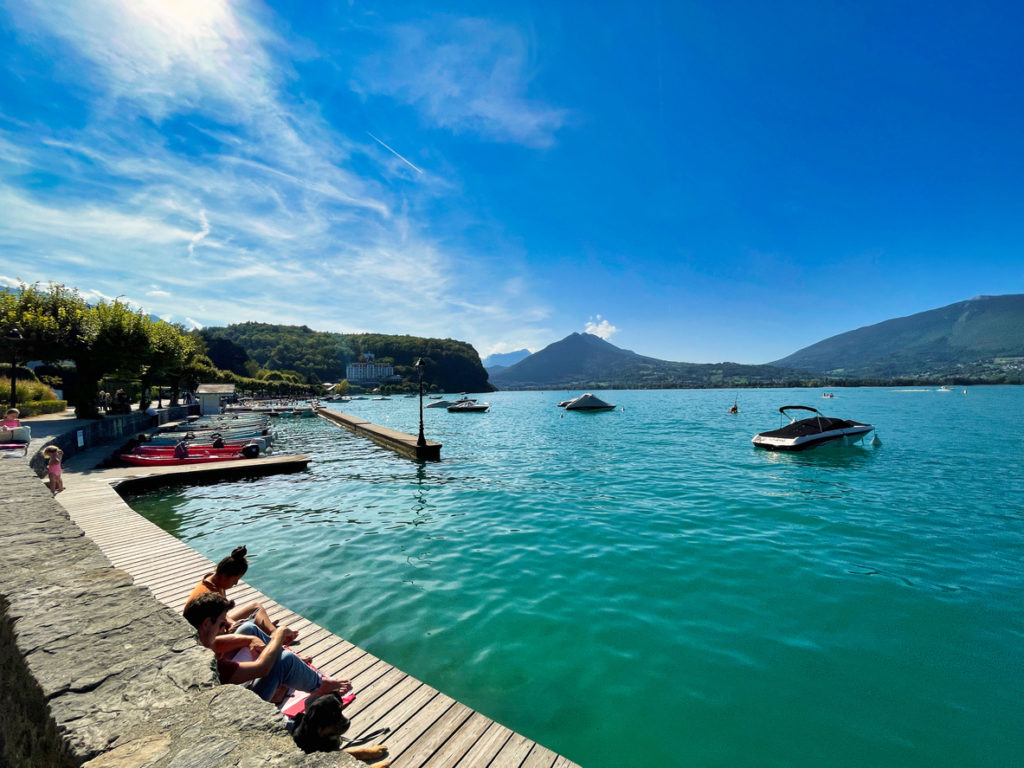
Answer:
(229, 572)
(273, 669)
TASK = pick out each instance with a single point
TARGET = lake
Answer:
(644, 582)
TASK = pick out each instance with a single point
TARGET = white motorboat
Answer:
(811, 432)
(468, 406)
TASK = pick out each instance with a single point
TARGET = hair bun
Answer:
(238, 553)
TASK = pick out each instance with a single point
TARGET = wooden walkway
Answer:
(428, 729)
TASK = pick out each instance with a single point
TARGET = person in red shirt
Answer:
(273, 667)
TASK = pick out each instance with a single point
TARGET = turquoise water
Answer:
(645, 582)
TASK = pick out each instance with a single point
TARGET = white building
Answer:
(369, 371)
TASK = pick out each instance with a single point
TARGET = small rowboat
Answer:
(169, 461)
(165, 438)
(197, 450)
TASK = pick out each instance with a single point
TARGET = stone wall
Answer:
(94, 671)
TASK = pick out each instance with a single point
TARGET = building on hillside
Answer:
(368, 371)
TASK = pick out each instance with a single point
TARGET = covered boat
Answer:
(810, 432)
(587, 402)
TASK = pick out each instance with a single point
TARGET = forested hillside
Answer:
(978, 339)
(323, 356)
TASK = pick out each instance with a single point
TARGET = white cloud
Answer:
(204, 230)
(468, 76)
(600, 328)
(267, 217)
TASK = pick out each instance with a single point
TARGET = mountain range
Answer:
(980, 340)
(494, 363)
(582, 360)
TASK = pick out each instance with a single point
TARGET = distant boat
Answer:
(944, 389)
(811, 432)
(587, 402)
(468, 406)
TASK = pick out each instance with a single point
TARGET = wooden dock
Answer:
(399, 442)
(428, 728)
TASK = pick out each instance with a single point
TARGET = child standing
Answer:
(54, 456)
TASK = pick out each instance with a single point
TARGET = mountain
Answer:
(978, 338)
(504, 359)
(584, 361)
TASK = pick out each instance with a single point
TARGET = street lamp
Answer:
(13, 338)
(421, 440)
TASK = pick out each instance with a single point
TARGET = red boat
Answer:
(196, 450)
(167, 460)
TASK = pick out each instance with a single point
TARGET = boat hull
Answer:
(169, 461)
(846, 435)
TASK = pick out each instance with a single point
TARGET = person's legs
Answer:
(291, 672)
(250, 628)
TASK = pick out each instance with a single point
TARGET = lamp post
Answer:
(13, 338)
(421, 440)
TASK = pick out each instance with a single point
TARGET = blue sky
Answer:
(695, 181)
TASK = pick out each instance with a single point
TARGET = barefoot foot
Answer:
(333, 684)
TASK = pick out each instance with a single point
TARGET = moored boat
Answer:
(587, 402)
(249, 450)
(810, 432)
(156, 460)
(468, 406)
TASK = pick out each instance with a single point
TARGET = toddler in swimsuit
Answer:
(53, 468)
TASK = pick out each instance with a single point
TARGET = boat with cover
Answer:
(810, 432)
(587, 402)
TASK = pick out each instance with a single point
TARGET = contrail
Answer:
(389, 149)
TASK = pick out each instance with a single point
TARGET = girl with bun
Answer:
(228, 573)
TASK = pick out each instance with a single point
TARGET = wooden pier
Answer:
(428, 728)
(399, 442)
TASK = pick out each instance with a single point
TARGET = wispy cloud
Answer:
(196, 180)
(469, 76)
(600, 327)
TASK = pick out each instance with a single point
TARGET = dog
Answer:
(320, 727)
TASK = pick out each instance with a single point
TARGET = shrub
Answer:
(26, 391)
(37, 407)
